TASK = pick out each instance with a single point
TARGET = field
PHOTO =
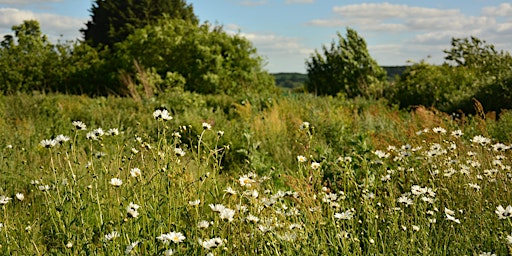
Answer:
(185, 174)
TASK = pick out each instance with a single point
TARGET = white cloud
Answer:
(418, 32)
(504, 9)
(51, 24)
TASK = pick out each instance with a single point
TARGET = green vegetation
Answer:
(188, 148)
(247, 176)
(346, 67)
(112, 21)
(473, 70)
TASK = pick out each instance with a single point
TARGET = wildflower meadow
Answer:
(219, 175)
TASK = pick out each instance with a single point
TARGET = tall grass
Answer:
(249, 176)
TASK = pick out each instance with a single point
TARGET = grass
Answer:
(256, 175)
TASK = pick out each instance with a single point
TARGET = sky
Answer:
(287, 32)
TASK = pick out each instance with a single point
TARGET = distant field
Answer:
(186, 174)
(296, 80)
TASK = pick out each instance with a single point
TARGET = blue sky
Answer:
(286, 32)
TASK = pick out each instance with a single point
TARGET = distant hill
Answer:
(295, 80)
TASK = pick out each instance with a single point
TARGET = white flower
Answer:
(252, 218)
(116, 182)
(179, 152)
(405, 200)
(415, 228)
(79, 125)
(168, 252)
(509, 239)
(381, 154)
(113, 132)
(301, 159)
(135, 172)
(227, 214)
(162, 114)
(217, 207)
(207, 126)
(315, 165)
(111, 236)
(130, 247)
(175, 237)
(211, 243)
(20, 196)
(439, 130)
(132, 210)
(48, 143)
(304, 126)
(504, 213)
(4, 199)
(346, 215)
(457, 133)
(61, 138)
(44, 188)
(195, 202)
(230, 190)
(203, 224)
(479, 139)
(246, 181)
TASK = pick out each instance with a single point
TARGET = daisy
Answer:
(132, 210)
(381, 154)
(457, 133)
(4, 199)
(230, 190)
(135, 172)
(113, 132)
(504, 213)
(112, 236)
(61, 138)
(79, 125)
(246, 181)
(116, 182)
(207, 126)
(48, 143)
(315, 165)
(252, 218)
(211, 243)
(175, 237)
(479, 139)
(203, 224)
(162, 114)
(195, 202)
(439, 130)
(304, 126)
(509, 239)
(450, 217)
(20, 196)
(301, 159)
(227, 214)
(179, 152)
(405, 200)
(217, 207)
(130, 247)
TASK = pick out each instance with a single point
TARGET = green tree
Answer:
(203, 58)
(26, 59)
(113, 20)
(345, 67)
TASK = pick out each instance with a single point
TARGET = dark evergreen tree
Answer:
(113, 20)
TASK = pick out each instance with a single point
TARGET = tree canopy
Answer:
(344, 67)
(113, 20)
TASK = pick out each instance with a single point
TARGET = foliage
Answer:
(112, 21)
(26, 59)
(203, 58)
(371, 179)
(473, 70)
(290, 80)
(346, 67)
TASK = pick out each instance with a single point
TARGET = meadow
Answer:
(188, 174)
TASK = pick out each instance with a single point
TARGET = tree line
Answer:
(147, 47)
